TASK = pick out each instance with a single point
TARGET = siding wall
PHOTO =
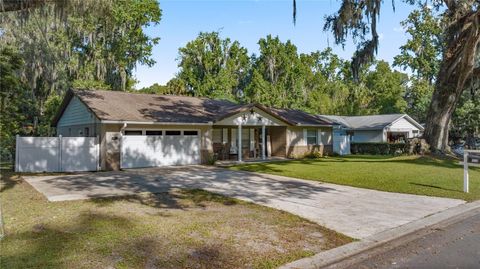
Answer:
(79, 130)
(296, 136)
(403, 125)
(297, 145)
(76, 113)
(76, 118)
(369, 136)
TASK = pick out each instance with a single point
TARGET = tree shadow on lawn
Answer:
(420, 160)
(103, 240)
(51, 246)
(8, 180)
(435, 187)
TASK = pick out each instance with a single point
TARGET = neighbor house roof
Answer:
(138, 107)
(372, 122)
(301, 117)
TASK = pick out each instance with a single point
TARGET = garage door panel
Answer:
(192, 152)
(140, 151)
(151, 151)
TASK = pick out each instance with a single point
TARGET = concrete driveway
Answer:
(355, 212)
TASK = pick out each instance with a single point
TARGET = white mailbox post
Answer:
(466, 154)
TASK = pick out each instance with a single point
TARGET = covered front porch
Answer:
(243, 143)
(249, 135)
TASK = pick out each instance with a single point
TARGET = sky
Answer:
(249, 20)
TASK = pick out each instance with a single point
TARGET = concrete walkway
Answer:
(356, 212)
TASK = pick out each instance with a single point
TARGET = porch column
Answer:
(239, 142)
(263, 142)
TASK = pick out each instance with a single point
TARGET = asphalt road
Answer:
(454, 246)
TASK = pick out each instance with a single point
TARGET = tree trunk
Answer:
(439, 115)
(462, 38)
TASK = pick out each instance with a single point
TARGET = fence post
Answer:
(60, 168)
(17, 153)
(465, 171)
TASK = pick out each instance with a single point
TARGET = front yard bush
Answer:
(379, 148)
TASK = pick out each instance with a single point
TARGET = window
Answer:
(153, 132)
(172, 132)
(245, 138)
(217, 135)
(311, 137)
(87, 132)
(133, 132)
(190, 132)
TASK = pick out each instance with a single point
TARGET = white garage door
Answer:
(172, 147)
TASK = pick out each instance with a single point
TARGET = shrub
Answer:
(379, 148)
(417, 146)
(211, 159)
(313, 155)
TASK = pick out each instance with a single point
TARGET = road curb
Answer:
(334, 256)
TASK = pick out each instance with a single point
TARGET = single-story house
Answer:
(390, 128)
(142, 130)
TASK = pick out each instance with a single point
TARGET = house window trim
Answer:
(197, 133)
(133, 130)
(149, 130)
(306, 136)
(180, 133)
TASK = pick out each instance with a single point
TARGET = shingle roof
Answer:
(122, 106)
(372, 122)
(137, 107)
(301, 117)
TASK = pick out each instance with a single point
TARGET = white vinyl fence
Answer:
(57, 154)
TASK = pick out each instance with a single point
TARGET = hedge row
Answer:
(379, 148)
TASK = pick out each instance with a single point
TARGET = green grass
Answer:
(180, 229)
(404, 174)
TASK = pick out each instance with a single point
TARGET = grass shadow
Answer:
(435, 187)
(51, 244)
(8, 180)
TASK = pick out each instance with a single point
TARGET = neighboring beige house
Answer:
(144, 130)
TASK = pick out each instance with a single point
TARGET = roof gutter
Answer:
(153, 122)
(315, 125)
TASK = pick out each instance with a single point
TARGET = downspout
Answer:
(121, 142)
(123, 128)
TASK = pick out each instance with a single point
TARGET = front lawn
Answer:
(182, 229)
(404, 174)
